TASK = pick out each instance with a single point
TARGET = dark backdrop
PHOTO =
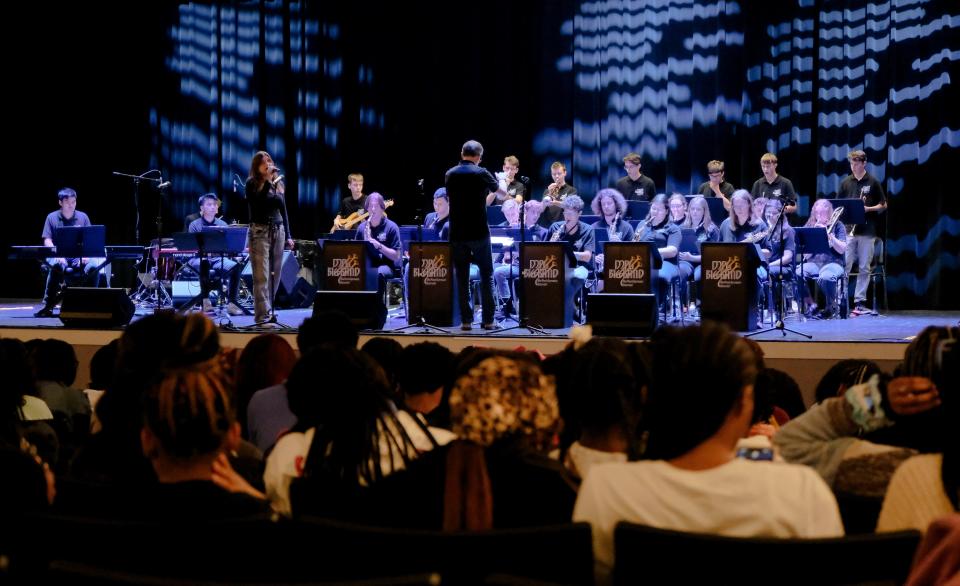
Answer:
(391, 90)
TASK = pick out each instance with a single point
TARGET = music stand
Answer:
(637, 210)
(422, 235)
(779, 306)
(81, 242)
(813, 241)
(235, 243)
(521, 235)
(202, 242)
(853, 210)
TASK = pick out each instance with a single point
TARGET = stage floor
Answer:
(882, 339)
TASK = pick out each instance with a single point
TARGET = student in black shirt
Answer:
(774, 186)
(554, 194)
(354, 204)
(717, 186)
(635, 186)
(860, 238)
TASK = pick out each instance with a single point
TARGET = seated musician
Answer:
(826, 268)
(438, 218)
(698, 218)
(58, 269)
(225, 267)
(383, 239)
(780, 244)
(580, 236)
(611, 206)
(742, 225)
(353, 205)
(666, 236)
(677, 205)
(506, 264)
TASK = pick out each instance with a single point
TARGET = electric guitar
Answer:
(355, 218)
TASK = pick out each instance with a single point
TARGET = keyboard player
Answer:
(58, 269)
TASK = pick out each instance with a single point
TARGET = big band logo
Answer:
(629, 271)
(345, 270)
(726, 273)
(544, 272)
(431, 270)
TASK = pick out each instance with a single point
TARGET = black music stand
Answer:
(637, 210)
(853, 210)
(812, 240)
(421, 322)
(236, 242)
(81, 242)
(779, 305)
(523, 318)
(204, 243)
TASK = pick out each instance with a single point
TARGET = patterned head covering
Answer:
(501, 397)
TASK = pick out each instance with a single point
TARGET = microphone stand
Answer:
(779, 309)
(421, 322)
(159, 295)
(523, 321)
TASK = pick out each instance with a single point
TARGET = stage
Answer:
(881, 338)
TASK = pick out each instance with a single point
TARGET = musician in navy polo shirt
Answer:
(58, 268)
(209, 207)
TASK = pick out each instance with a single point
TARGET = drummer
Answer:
(210, 269)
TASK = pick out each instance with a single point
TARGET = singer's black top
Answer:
(267, 206)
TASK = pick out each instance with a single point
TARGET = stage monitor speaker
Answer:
(364, 308)
(289, 278)
(631, 315)
(90, 307)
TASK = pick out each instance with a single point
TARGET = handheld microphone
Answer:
(276, 180)
(420, 183)
(523, 179)
(165, 185)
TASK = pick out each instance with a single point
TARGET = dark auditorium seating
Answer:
(645, 555)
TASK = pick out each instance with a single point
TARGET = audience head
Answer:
(103, 365)
(265, 361)
(701, 383)
(386, 353)
(327, 327)
(55, 360)
(189, 417)
(843, 375)
(505, 398)
(16, 382)
(423, 372)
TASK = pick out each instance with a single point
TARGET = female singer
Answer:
(269, 231)
(678, 208)
(826, 268)
(658, 229)
(698, 218)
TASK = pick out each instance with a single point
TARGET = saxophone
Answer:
(555, 237)
(759, 235)
(641, 228)
(612, 234)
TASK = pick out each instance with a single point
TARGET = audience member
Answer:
(264, 362)
(699, 405)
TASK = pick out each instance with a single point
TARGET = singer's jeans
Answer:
(479, 252)
(861, 249)
(266, 258)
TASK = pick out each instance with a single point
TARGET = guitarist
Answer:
(383, 239)
(351, 206)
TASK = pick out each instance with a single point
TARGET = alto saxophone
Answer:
(759, 235)
(612, 234)
(641, 228)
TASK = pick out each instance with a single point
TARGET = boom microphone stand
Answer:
(780, 300)
(159, 294)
